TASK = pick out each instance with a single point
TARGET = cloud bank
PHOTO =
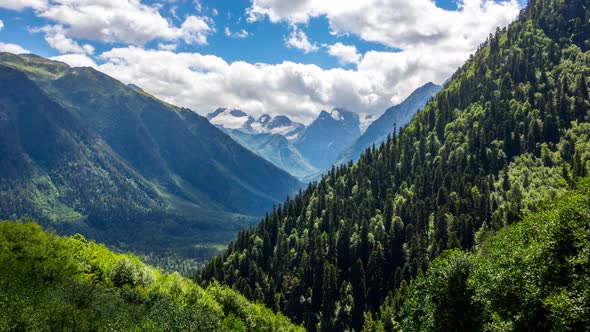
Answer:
(433, 43)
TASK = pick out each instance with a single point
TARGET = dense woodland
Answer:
(52, 283)
(532, 276)
(507, 133)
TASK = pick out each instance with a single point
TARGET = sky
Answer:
(262, 56)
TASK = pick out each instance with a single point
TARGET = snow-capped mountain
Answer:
(280, 124)
(231, 119)
(238, 120)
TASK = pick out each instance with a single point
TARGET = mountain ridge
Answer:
(506, 134)
(172, 152)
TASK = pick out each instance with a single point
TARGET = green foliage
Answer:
(52, 283)
(534, 275)
(508, 132)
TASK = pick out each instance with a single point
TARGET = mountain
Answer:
(327, 136)
(277, 149)
(394, 117)
(71, 284)
(269, 137)
(280, 124)
(239, 120)
(505, 136)
(231, 119)
(82, 152)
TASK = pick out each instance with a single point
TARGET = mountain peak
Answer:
(264, 119)
(235, 119)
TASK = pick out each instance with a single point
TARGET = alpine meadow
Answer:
(328, 167)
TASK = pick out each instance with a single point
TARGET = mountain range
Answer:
(84, 152)
(234, 119)
(334, 137)
(474, 216)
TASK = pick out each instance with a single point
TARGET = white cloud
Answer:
(22, 4)
(205, 82)
(76, 60)
(167, 47)
(298, 39)
(195, 30)
(396, 23)
(13, 48)
(1, 25)
(240, 34)
(346, 54)
(215, 12)
(115, 21)
(416, 26)
(56, 38)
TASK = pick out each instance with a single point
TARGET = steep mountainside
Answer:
(394, 117)
(532, 276)
(122, 166)
(327, 136)
(507, 132)
(51, 283)
(278, 150)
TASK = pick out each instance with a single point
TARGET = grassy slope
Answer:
(51, 283)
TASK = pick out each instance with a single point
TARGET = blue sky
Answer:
(315, 54)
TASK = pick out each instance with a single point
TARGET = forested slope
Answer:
(51, 283)
(532, 276)
(507, 132)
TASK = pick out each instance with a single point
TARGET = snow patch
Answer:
(229, 119)
(336, 115)
(365, 121)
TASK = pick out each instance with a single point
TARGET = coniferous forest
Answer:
(473, 217)
(507, 135)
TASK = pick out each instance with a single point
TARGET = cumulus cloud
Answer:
(56, 38)
(1, 25)
(76, 60)
(13, 48)
(205, 82)
(396, 23)
(167, 47)
(195, 30)
(22, 4)
(346, 54)
(111, 21)
(298, 39)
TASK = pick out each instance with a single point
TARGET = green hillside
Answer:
(532, 276)
(82, 152)
(52, 283)
(507, 132)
